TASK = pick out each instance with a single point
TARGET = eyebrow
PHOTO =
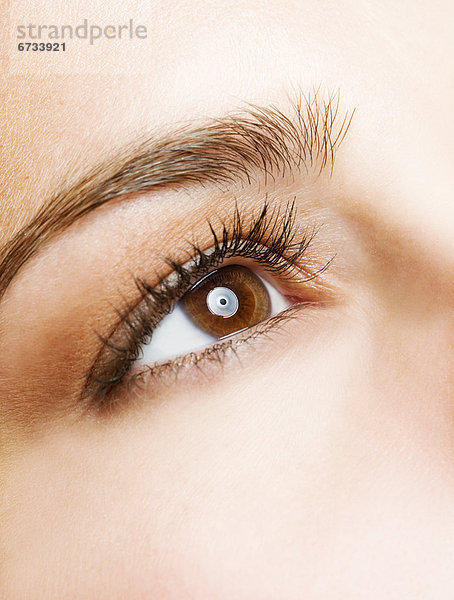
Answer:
(258, 139)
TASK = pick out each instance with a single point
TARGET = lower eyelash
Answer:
(141, 383)
(272, 240)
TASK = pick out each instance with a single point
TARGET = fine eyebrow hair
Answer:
(258, 139)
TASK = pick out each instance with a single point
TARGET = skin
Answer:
(322, 465)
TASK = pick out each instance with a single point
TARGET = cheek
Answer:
(201, 496)
(214, 495)
(269, 486)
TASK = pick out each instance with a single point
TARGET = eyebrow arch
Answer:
(258, 139)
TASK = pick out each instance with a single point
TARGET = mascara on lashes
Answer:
(272, 241)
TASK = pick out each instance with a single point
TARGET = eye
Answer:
(197, 311)
(225, 302)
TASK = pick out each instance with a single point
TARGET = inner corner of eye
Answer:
(227, 301)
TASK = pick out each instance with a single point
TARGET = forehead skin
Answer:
(390, 60)
(119, 495)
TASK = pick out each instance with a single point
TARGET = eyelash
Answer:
(270, 241)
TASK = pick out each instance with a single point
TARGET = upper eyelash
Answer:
(270, 240)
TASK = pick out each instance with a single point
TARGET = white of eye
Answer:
(177, 335)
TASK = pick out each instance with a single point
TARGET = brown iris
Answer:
(228, 300)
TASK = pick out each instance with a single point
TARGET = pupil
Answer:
(222, 302)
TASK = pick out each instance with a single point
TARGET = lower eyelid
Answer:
(150, 380)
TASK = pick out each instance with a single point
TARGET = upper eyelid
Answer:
(265, 232)
(258, 139)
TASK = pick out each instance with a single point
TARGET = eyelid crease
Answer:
(270, 241)
(258, 139)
